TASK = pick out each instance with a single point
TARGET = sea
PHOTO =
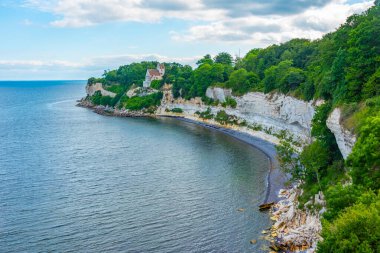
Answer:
(75, 181)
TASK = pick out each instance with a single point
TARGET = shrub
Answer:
(115, 88)
(230, 102)
(339, 197)
(223, 118)
(210, 101)
(365, 157)
(356, 230)
(177, 110)
(206, 114)
(94, 80)
(156, 84)
(98, 99)
(138, 103)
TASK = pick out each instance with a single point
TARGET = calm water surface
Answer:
(75, 181)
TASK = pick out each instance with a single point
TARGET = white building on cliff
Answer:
(154, 74)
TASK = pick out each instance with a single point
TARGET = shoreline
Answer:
(275, 178)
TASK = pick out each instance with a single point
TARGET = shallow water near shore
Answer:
(75, 181)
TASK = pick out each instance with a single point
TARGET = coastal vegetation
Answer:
(343, 69)
(177, 110)
(142, 102)
(206, 114)
(346, 184)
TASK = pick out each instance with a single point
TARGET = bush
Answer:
(156, 84)
(210, 101)
(241, 81)
(230, 102)
(206, 114)
(177, 110)
(223, 118)
(98, 99)
(365, 157)
(115, 89)
(138, 103)
(340, 197)
(94, 80)
(356, 230)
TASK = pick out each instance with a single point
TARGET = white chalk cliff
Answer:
(91, 89)
(217, 93)
(344, 138)
(272, 111)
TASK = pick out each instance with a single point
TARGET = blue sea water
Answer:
(75, 181)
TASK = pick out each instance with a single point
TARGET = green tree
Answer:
(339, 197)
(288, 158)
(323, 133)
(372, 87)
(315, 159)
(365, 157)
(202, 79)
(156, 84)
(223, 58)
(205, 60)
(356, 230)
(291, 80)
(222, 117)
(241, 81)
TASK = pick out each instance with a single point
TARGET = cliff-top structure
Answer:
(154, 74)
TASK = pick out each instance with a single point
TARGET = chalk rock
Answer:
(271, 111)
(344, 138)
(217, 93)
(91, 89)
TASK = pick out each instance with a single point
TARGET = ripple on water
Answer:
(75, 181)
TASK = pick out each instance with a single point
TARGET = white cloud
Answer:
(222, 20)
(265, 30)
(79, 13)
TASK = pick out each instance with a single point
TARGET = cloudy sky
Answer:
(75, 39)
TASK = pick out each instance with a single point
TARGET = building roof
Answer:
(154, 72)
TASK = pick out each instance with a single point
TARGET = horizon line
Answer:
(42, 80)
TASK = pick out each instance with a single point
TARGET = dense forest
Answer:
(343, 69)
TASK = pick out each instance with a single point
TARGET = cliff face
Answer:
(91, 89)
(277, 111)
(344, 138)
(217, 93)
(272, 111)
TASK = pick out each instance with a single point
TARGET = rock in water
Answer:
(266, 206)
(253, 241)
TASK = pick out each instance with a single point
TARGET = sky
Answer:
(77, 39)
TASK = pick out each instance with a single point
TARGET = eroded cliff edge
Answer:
(274, 112)
(344, 138)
